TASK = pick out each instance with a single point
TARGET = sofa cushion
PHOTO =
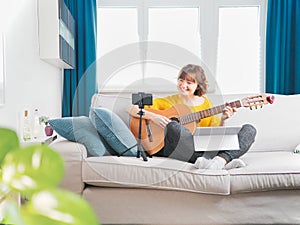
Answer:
(277, 125)
(114, 131)
(80, 129)
(266, 171)
(118, 103)
(157, 172)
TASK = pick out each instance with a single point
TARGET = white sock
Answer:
(235, 163)
(217, 163)
(202, 163)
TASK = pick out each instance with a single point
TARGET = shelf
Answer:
(56, 28)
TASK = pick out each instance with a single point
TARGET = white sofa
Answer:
(127, 190)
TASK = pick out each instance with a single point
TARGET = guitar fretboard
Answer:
(196, 116)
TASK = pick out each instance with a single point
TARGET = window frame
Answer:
(207, 31)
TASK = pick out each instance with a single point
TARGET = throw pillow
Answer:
(80, 129)
(115, 132)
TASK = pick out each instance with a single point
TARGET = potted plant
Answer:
(48, 128)
(33, 173)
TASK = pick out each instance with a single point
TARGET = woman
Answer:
(192, 87)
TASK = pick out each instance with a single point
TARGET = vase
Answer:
(48, 130)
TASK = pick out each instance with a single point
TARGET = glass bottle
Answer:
(26, 127)
(36, 124)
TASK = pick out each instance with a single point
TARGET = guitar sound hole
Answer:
(175, 119)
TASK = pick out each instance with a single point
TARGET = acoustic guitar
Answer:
(152, 135)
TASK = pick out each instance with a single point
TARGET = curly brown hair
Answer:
(195, 73)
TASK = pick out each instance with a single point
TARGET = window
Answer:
(117, 27)
(238, 49)
(179, 26)
(148, 40)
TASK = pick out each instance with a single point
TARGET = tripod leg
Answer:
(143, 154)
(138, 154)
(140, 150)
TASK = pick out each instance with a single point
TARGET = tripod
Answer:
(140, 149)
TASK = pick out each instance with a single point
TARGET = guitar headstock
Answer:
(257, 101)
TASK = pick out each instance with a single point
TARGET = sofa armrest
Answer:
(73, 154)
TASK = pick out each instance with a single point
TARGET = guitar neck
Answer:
(196, 116)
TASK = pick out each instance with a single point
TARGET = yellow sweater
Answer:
(169, 101)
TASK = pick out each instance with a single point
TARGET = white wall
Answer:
(30, 82)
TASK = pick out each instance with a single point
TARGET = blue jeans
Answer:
(179, 143)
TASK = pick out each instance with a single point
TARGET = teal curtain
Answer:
(80, 84)
(283, 47)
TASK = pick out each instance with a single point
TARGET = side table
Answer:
(40, 140)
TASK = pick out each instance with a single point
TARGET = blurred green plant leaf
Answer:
(4, 191)
(33, 172)
(8, 142)
(32, 168)
(58, 207)
(11, 213)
